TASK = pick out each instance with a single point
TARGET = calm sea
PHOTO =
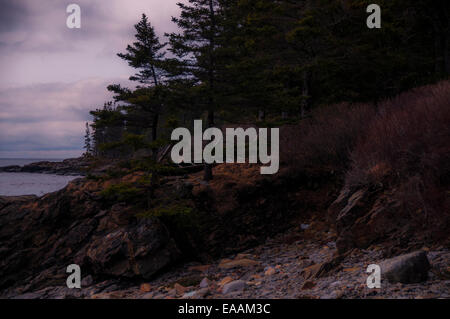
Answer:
(14, 184)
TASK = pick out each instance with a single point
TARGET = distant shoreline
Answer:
(70, 167)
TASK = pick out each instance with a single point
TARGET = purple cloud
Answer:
(52, 76)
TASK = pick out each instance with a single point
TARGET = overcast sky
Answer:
(52, 76)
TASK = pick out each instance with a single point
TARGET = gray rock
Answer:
(188, 295)
(136, 250)
(331, 295)
(29, 295)
(202, 293)
(237, 285)
(204, 283)
(196, 294)
(406, 269)
(336, 284)
(149, 295)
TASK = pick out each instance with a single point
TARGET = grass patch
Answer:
(122, 192)
(148, 165)
(167, 211)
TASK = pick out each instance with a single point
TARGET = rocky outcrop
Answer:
(119, 241)
(8, 200)
(248, 209)
(362, 218)
(39, 238)
(111, 237)
(374, 215)
(281, 269)
(11, 169)
(72, 166)
(139, 250)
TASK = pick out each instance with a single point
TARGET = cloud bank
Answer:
(51, 76)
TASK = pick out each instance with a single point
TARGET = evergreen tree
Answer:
(146, 55)
(108, 130)
(254, 50)
(234, 59)
(196, 49)
(87, 140)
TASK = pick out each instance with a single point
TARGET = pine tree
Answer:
(147, 55)
(233, 59)
(258, 47)
(436, 15)
(196, 49)
(87, 140)
(108, 130)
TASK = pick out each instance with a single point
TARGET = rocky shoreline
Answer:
(240, 236)
(275, 269)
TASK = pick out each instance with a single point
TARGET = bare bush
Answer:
(410, 135)
(327, 138)
(407, 146)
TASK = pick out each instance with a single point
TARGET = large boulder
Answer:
(139, 250)
(406, 269)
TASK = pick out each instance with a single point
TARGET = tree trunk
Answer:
(155, 135)
(304, 105)
(437, 52)
(207, 172)
(208, 175)
(446, 51)
(261, 115)
(156, 115)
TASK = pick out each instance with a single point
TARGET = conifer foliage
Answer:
(271, 62)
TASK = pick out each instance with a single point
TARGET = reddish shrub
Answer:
(408, 145)
(404, 143)
(327, 138)
(410, 135)
(402, 146)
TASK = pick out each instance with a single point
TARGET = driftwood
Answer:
(162, 153)
(185, 167)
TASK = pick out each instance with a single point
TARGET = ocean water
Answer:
(15, 184)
